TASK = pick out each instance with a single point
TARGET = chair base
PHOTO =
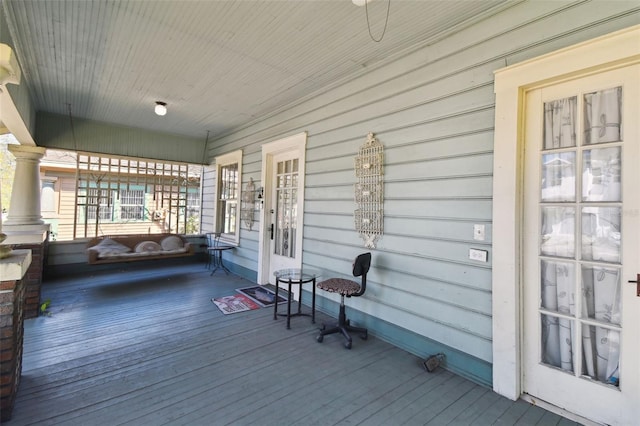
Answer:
(343, 326)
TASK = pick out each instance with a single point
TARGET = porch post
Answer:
(24, 227)
(25, 196)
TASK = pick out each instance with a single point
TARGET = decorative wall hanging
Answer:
(369, 191)
(248, 204)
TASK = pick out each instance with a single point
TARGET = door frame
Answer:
(611, 51)
(297, 143)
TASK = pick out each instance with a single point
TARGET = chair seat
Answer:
(341, 286)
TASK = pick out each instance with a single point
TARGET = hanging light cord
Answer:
(73, 131)
(386, 21)
(204, 150)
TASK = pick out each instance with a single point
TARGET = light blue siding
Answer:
(433, 110)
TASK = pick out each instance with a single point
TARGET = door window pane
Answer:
(286, 208)
(603, 116)
(601, 294)
(601, 348)
(558, 231)
(559, 177)
(560, 123)
(601, 234)
(557, 342)
(558, 284)
(601, 170)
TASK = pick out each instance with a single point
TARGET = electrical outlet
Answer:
(479, 255)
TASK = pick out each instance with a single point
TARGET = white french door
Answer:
(581, 323)
(283, 232)
(280, 240)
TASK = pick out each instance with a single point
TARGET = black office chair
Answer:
(347, 288)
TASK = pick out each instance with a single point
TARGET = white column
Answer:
(25, 195)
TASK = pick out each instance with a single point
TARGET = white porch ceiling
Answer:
(217, 64)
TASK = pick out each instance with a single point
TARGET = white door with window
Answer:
(283, 214)
(281, 220)
(581, 323)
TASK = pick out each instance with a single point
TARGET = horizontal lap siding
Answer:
(433, 110)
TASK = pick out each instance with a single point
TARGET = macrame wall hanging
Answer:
(369, 191)
(248, 204)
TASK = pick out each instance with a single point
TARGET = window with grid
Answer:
(193, 203)
(134, 190)
(99, 204)
(132, 204)
(228, 174)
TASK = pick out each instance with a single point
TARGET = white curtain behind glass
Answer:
(602, 115)
(600, 287)
(560, 123)
(558, 283)
(601, 301)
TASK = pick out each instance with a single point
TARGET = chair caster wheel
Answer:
(364, 336)
(320, 338)
(347, 345)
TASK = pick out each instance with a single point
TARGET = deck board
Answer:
(146, 346)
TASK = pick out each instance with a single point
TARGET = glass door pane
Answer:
(580, 237)
(286, 208)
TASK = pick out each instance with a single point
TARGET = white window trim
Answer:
(55, 210)
(604, 53)
(221, 161)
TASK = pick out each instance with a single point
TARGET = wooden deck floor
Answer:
(146, 346)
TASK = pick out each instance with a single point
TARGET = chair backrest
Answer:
(213, 239)
(360, 268)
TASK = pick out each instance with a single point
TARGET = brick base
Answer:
(12, 296)
(33, 278)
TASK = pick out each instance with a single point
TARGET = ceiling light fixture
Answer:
(161, 108)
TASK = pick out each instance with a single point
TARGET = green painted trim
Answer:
(460, 363)
(246, 273)
(54, 131)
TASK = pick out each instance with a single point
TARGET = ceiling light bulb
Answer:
(361, 2)
(161, 108)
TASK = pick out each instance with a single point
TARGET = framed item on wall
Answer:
(369, 191)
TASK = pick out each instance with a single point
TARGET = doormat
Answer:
(261, 295)
(234, 304)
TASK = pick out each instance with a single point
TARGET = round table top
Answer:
(296, 274)
(220, 247)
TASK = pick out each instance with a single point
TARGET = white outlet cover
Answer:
(478, 255)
